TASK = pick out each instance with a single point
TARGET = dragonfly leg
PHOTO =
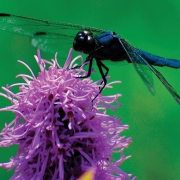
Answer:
(105, 67)
(89, 68)
(100, 65)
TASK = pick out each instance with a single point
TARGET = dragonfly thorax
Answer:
(84, 42)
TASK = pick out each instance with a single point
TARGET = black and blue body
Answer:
(98, 44)
(109, 46)
(113, 50)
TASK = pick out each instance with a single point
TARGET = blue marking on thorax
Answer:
(112, 49)
(105, 38)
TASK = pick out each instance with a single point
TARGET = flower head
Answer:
(61, 133)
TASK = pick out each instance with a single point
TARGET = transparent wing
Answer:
(141, 65)
(51, 45)
(42, 31)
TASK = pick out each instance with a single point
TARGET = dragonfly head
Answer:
(84, 42)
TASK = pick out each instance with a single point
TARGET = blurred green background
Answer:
(154, 121)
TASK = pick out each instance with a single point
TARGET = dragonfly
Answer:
(98, 44)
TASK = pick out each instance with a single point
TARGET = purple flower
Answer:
(60, 132)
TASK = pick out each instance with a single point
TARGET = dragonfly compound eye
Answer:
(84, 42)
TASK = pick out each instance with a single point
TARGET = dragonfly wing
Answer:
(51, 45)
(140, 65)
(137, 60)
(46, 35)
(34, 27)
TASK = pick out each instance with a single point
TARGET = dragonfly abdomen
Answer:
(159, 61)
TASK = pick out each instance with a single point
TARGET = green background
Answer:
(154, 121)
